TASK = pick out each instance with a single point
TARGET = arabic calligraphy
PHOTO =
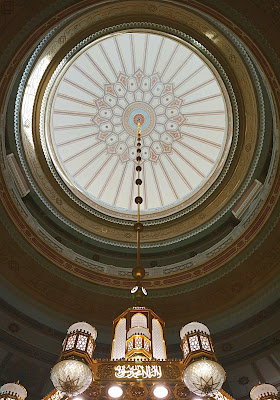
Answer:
(138, 371)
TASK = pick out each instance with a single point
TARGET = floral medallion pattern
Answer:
(139, 98)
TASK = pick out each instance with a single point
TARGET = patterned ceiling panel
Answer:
(106, 89)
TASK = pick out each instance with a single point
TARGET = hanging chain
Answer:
(138, 292)
(138, 200)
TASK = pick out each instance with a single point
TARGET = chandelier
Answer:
(138, 367)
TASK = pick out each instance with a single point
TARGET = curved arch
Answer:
(158, 342)
(118, 345)
(139, 319)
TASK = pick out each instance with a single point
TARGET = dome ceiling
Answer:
(67, 255)
(99, 96)
(84, 235)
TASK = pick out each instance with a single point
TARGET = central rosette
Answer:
(139, 98)
(139, 112)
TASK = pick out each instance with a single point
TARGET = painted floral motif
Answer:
(139, 98)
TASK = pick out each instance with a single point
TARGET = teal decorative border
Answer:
(111, 242)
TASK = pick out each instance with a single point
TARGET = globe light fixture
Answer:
(204, 377)
(160, 392)
(71, 377)
(115, 392)
(264, 391)
(13, 391)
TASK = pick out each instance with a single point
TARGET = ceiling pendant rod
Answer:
(138, 199)
(138, 272)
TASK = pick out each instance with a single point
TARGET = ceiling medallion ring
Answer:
(235, 123)
(54, 211)
(142, 113)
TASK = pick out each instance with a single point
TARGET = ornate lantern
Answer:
(72, 375)
(138, 335)
(203, 375)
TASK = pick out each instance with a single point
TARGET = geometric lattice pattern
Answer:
(138, 342)
(130, 345)
(150, 110)
(194, 343)
(146, 345)
(82, 342)
(71, 342)
(205, 343)
(90, 348)
(185, 348)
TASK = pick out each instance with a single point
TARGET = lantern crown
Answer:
(264, 391)
(82, 327)
(138, 335)
(193, 327)
(14, 391)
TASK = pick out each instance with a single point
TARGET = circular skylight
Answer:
(109, 86)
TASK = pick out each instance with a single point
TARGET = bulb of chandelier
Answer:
(204, 377)
(71, 377)
(115, 392)
(160, 392)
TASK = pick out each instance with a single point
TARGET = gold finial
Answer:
(138, 272)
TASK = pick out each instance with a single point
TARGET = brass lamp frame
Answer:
(199, 353)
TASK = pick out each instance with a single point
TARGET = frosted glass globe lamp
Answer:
(264, 391)
(13, 391)
(71, 377)
(204, 377)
